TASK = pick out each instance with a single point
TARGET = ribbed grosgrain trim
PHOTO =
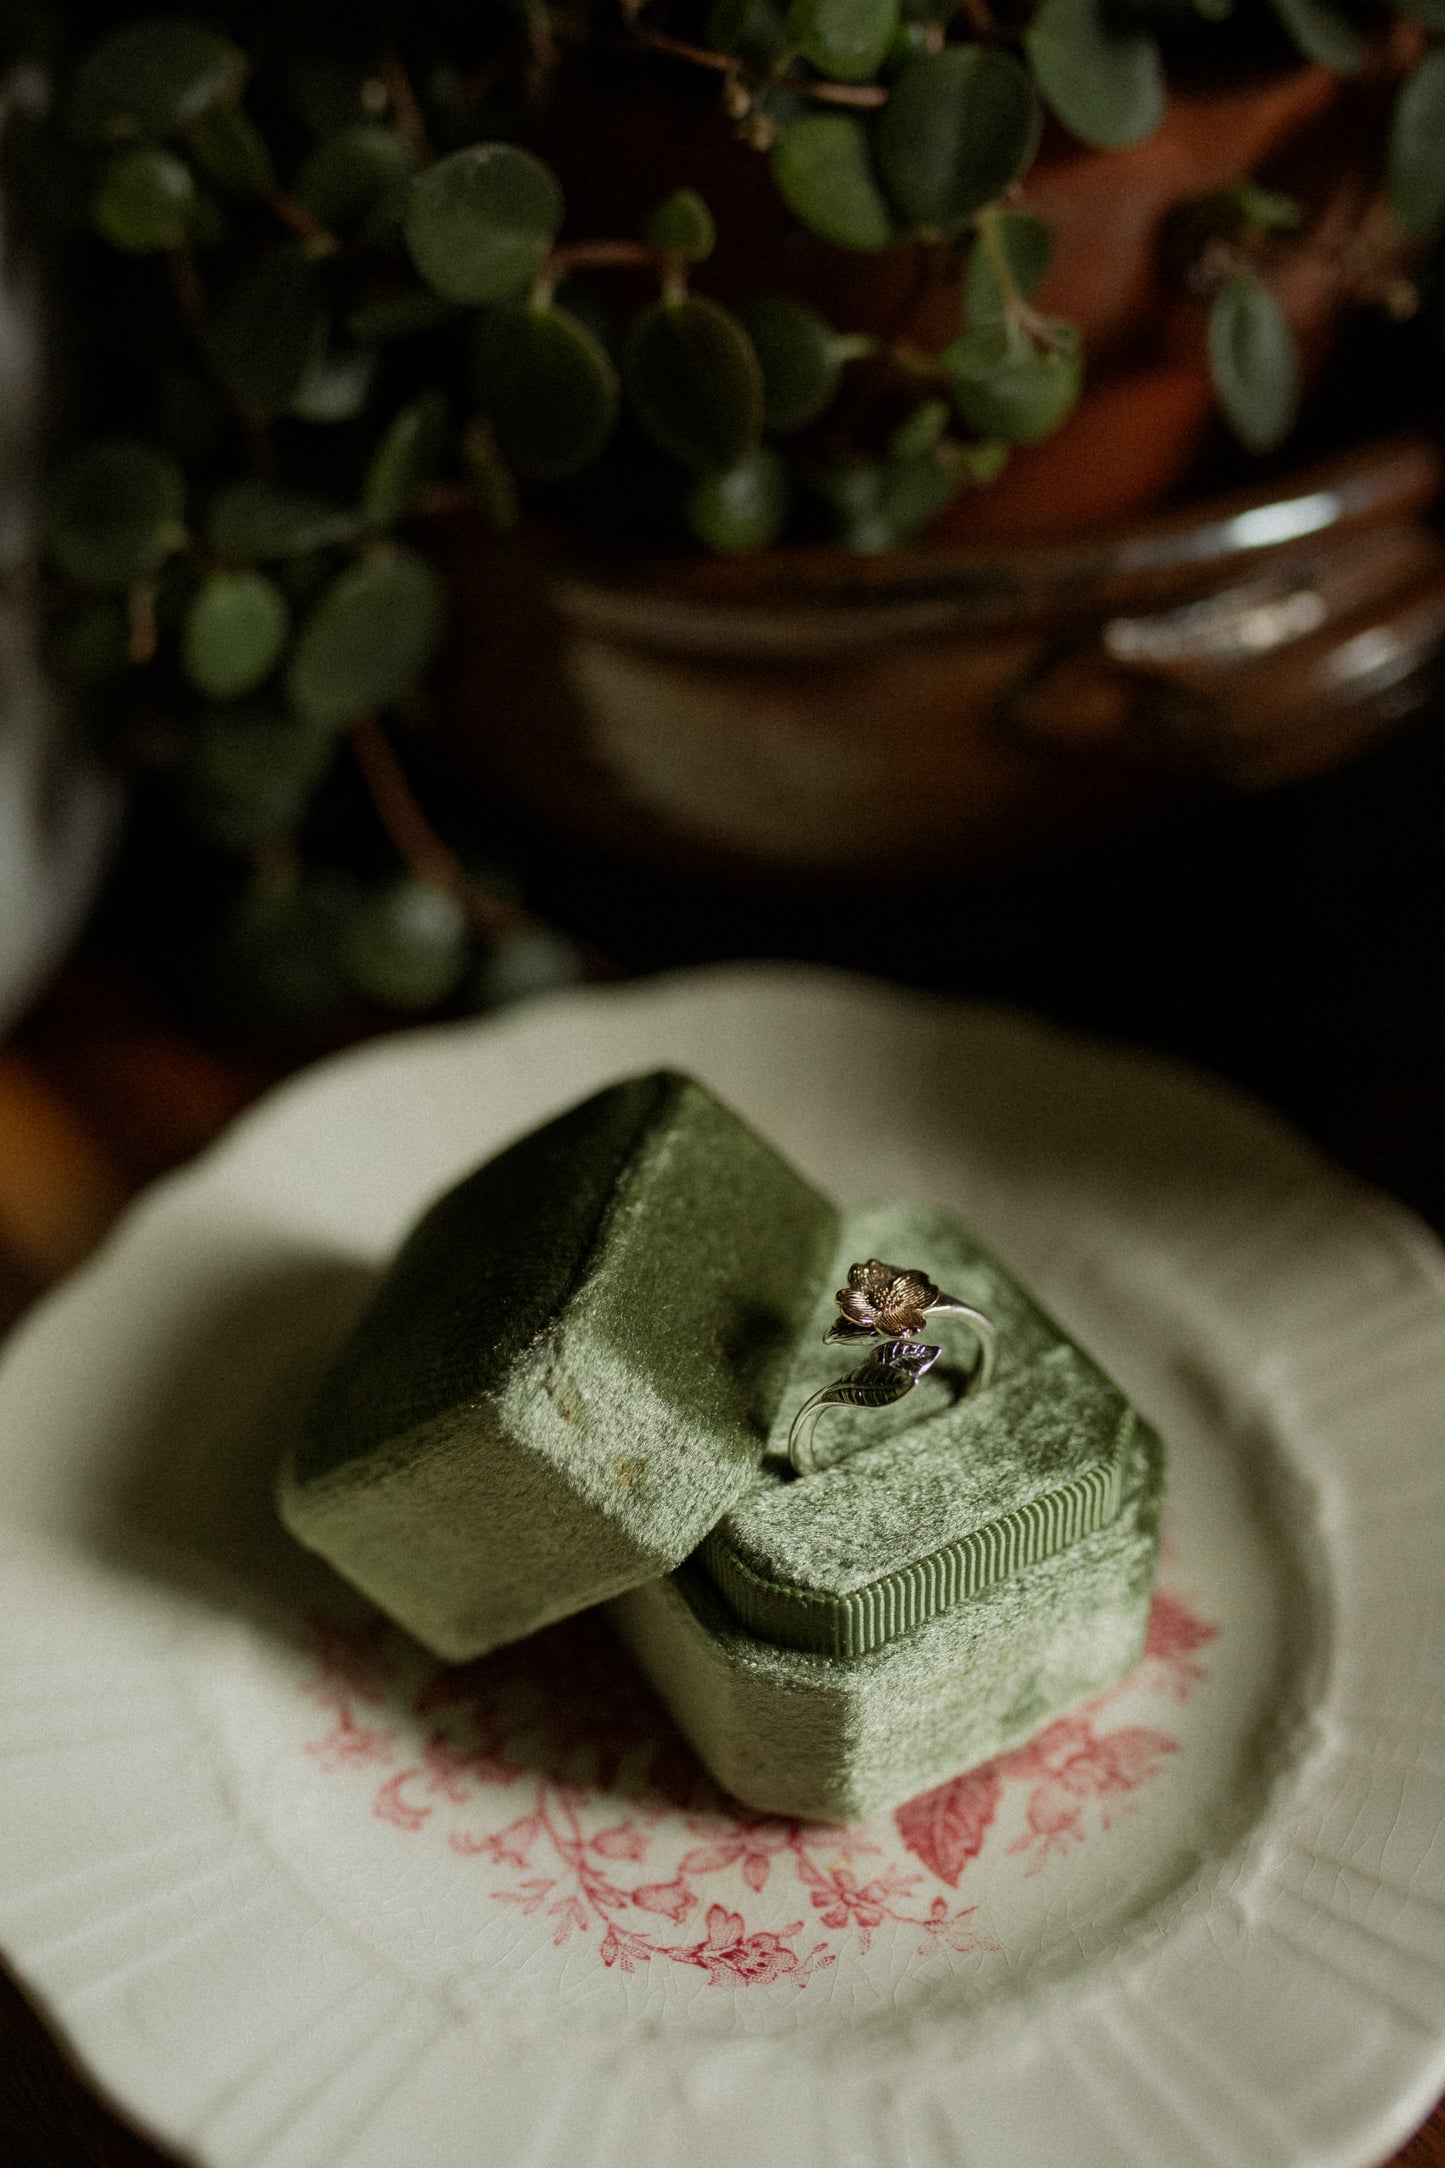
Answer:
(899, 1603)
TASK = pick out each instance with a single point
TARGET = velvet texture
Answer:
(581, 1372)
(988, 1484)
(569, 1373)
(780, 1715)
(789, 1732)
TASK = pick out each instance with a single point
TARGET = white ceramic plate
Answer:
(299, 1897)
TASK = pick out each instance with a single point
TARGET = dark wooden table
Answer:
(99, 1093)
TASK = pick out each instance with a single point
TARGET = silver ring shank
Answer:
(845, 1393)
(983, 1331)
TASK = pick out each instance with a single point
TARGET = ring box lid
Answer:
(570, 1372)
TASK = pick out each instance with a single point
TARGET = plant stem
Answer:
(303, 223)
(887, 347)
(986, 227)
(430, 859)
(1016, 306)
(405, 110)
(541, 45)
(596, 256)
(866, 95)
(141, 620)
(914, 361)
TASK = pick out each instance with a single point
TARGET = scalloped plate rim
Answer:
(1066, 2010)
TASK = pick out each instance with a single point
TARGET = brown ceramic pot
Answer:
(949, 709)
(1058, 658)
(1147, 418)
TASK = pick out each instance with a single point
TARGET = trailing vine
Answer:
(331, 290)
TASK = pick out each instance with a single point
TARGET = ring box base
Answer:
(790, 1732)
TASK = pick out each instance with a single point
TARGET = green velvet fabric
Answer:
(580, 1373)
(787, 1731)
(570, 1371)
(947, 1493)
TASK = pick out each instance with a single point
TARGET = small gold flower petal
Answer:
(854, 1304)
(924, 1289)
(896, 1317)
(886, 1299)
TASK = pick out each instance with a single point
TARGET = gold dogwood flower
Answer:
(885, 1300)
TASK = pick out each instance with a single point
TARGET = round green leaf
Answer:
(743, 509)
(798, 355)
(1102, 75)
(145, 200)
(115, 513)
(915, 490)
(408, 455)
(586, 306)
(254, 520)
(682, 226)
(1027, 244)
(1005, 386)
(234, 633)
(1322, 32)
(481, 223)
(231, 151)
(844, 39)
(825, 176)
(336, 385)
(268, 331)
(1417, 148)
(1266, 210)
(547, 387)
(925, 428)
(853, 491)
(407, 945)
(368, 641)
(754, 30)
(247, 772)
(150, 79)
(881, 504)
(694, 382)
(352, 177)
(958, 127)
(1253, 362)
(984, 462)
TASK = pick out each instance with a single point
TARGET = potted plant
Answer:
(676, 368)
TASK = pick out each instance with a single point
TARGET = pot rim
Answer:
(816, 598)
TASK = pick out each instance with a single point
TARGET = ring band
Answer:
(886, 1308)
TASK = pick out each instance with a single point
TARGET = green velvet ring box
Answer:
(575, 1388)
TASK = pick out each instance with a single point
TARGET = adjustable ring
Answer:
(887, 1309)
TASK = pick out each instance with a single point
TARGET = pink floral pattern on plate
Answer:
(552, 1764)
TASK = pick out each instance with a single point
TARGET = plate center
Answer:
(531, 1826)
